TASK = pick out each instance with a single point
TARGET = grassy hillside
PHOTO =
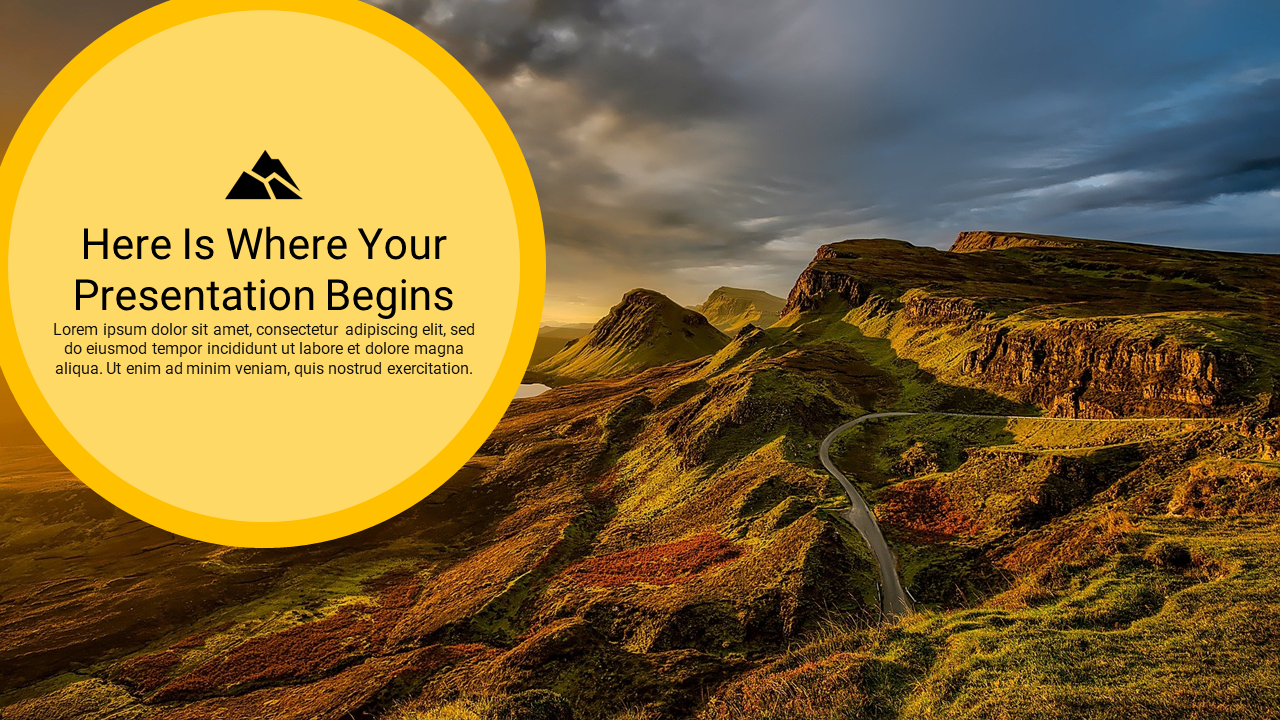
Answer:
(729, 309)
(1064, 570)
(661, 542)
(645, 330)
(626, 544)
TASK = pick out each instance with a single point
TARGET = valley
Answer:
(895, 600)
(1068, 450)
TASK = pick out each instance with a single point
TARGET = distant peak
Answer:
(647, 307)
(729, 308)
(646, 329)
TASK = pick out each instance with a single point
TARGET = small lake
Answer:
(529, 390)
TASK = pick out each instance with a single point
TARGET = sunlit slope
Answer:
(645, 330)
(729, 308)
(623, 543)
(1063, 570)
(665, 544)
(1078, 327)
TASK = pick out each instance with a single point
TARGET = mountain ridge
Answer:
(1090, 329)
(664, 543)
(730, 308)
(646, 329)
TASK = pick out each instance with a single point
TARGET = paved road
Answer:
(894, 601)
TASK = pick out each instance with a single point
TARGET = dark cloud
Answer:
(684, 145)
(781, 126)
(637, 62)
(1230, 147)
(37, 38)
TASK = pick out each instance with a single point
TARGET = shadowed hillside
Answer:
(553, 338)
(14, 428)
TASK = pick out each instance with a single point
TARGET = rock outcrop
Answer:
(816, 285)
(979, 240)
(1080, 369)
(1081, 328)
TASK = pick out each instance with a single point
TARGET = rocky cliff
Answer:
(1081, 369)
(818, 285)
(979, 240)
(1081, 328)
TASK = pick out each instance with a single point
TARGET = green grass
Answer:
(1131, 640)
(1103, 612)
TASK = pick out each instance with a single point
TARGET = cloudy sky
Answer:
(686, 145)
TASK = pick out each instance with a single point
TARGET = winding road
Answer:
(893, 598)
(894, 601)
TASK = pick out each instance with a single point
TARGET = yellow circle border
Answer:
(491, 408)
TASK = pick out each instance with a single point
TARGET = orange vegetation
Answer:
(345, 694)
(150, 671)
(311, 649)
(1071, 545)
(922, 509)
(1219, 487)
(665, 564)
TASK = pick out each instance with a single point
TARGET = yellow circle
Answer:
(143, 135)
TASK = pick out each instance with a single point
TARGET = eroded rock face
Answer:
(927, 310)
(979, 240)
(1079, 369)
(816, 285)
(1082, 328)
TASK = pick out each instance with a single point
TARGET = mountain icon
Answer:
(267, 180)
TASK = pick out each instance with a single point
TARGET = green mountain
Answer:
(666, 543)
(729, 309)
(1082, 328)
(645, 330)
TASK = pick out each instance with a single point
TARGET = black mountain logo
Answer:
(268, 180)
